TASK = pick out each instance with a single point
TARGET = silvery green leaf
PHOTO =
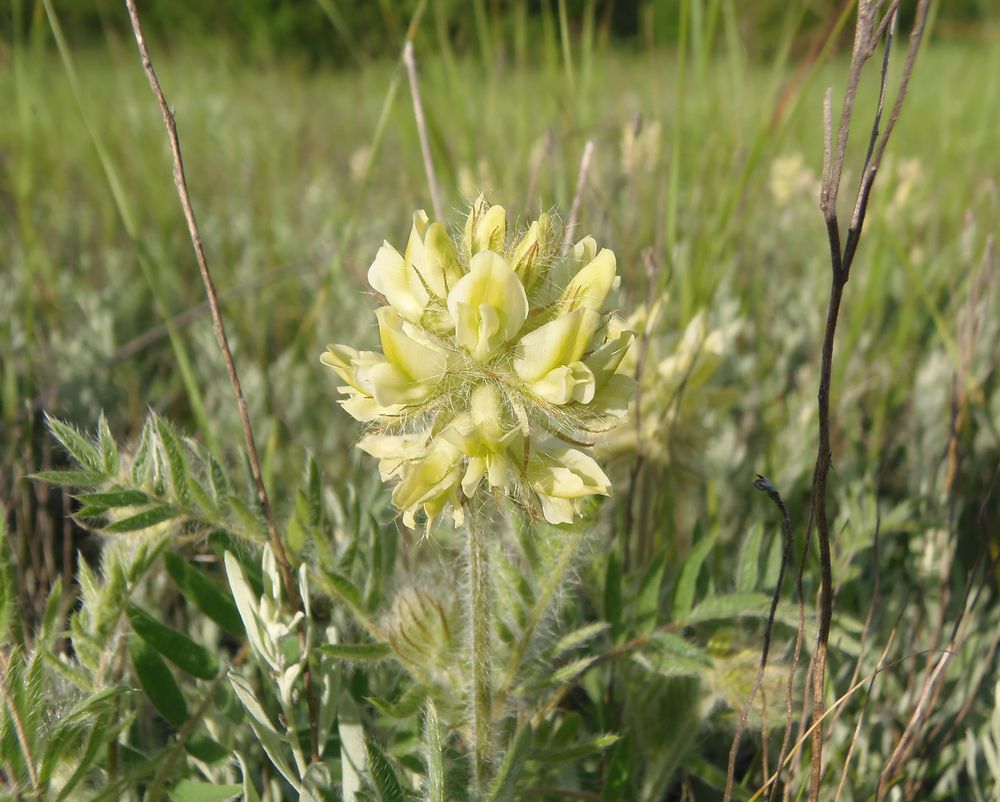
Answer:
(173, 450)
(384, 775)
(329, 686)
(142, 462)
(272, 578)
(248, 607)
(191, 791)
(253, 707)
(106, 446)
(76, 445)
(353, 757)
(579, 637)
(286, 683)
(249, 789)
(304, 590)
(435, 754)
(574, 669)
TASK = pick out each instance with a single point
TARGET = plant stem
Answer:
(480, 625)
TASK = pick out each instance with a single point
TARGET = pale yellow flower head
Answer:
(500, 364)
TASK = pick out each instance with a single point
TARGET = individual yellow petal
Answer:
(585, 250)
(417, 360)
(354, 367)
(566, 383)
(364, 408)
(473, 475)
(440, 268)
(391, 275)
(488, 305)
(341, 359)
(394, 450)
(590, 287)
(559, 342)
(613, 397)
(430, 481)
(498, 470)
(414, 253)
(485, 406)
(530, 254)
(560, 476)
(390, 386)
(485, 228)
(558, 510)
(606, 359)
(562, 472)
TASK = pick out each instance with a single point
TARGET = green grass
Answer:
(96, 255)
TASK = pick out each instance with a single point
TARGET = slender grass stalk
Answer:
(418, 113)
(581, 183)
(479, 619)
(291, 587)
(567, 52)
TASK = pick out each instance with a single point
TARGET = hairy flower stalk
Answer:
(481, 664)
(499, 366)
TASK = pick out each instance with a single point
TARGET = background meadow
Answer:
(633, 645)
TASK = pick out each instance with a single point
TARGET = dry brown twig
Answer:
(764, 485)
(180, 181)
(581, 183)
(872, 23)
(425, 144)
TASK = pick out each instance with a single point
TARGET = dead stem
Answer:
(870, 27)
(220, 333)
(418, 113)
(764, 485)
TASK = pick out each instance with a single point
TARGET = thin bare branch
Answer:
(180, 182)
(763, 484)
(581, 182)
(425, 144)
(841, 257)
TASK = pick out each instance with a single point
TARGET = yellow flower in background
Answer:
(500, 363)
(680, 387)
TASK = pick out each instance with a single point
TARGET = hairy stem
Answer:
(480, 625)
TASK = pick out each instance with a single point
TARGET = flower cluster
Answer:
(498, 366)
(680, 389)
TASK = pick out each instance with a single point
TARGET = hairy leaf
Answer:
(193, 791)
(178, 648)
(356, 652)
(158, 682)
(383, 775)
(76, 445)
(142, 520)
(688, 581)
(206, 595)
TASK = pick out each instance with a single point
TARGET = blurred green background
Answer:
(302, 156)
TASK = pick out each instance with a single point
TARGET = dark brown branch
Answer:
(869, 28)
(291, 587)
(764, 485)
